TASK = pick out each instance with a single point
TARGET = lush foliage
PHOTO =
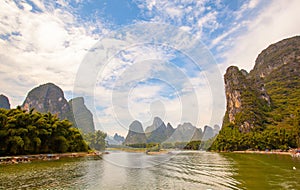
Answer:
(193, 145)
(231, 139)
(138, 145)
(96, 140)
(275, 124)
(153, 147)
(32, 132)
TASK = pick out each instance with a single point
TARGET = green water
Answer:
(180, 170)
(258, 171)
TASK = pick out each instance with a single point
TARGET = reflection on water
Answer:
(185, 170)
(188, 170)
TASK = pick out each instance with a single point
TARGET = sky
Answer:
(137, 59)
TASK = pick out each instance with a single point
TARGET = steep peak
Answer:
(169, 126)
(82, 117)
(4, 102)
(136, 126)
(157, 121)
(232, 69)
(207, 132)
(79, 100)
(169, 130)
(47, 98)
(281, 53)
(135, 134)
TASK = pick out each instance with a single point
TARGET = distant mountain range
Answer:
(50, 98)
(158, 132)
(114, 140)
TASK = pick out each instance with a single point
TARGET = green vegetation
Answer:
(192, 145)
(276, 126)
(231, 139)
(138, 145)
(269, 115)
(32, 132)
(153, 147)
(96, 140)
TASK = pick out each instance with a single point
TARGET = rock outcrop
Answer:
(170, 130)
(4, 102)
(208, 133)
(48, 98)
(157, 132)
(268, 94)
(136, 134)
(185, 132)
(81, 116)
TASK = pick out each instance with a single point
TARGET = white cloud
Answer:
(48, 45)
(253, 3)
(41, 46)
(275, 22)
(183, 12)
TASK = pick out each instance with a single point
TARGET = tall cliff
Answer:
(48, 98)
(136, 134)
(266, 98)
(157, 132)
(4, 102)
(81, 116)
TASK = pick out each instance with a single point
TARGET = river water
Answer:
(179, 170)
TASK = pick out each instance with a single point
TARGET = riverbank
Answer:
(140, 150)
(44, 157)
(264, 152)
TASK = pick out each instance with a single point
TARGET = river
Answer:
(180, 170)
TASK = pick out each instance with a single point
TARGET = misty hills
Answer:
(4, 102)
(114, 140)
(158, 132)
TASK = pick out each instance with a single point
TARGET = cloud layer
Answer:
(49, 41)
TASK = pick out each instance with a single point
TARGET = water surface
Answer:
(181, 170)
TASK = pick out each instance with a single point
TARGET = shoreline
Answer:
(16, 159)
(262, 152)
(139, 150)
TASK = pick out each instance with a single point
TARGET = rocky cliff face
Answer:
(81, 116)
(208, 133)
(185, 132)
(271, 88)
(170, 130)
(4, 102)
(157, 132)
(136, 134)
(48, 98)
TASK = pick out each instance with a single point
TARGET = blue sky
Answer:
(150, 74)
